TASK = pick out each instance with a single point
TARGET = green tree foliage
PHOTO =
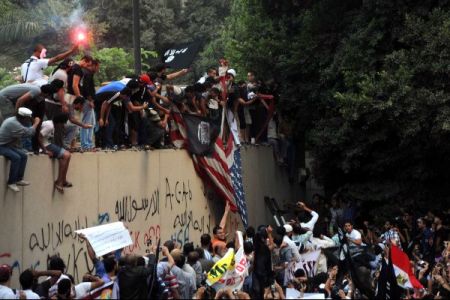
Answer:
(115, 63)
(367, 81)
(249, 38)
(6, 78)
(28, 20)
(204, 20)
(163, 23)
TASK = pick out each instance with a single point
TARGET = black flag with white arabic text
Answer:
(181, 56)
(202, 134)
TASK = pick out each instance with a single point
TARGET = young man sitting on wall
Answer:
(11, 132)
(53, 151)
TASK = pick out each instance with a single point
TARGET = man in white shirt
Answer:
(90, 283)
(308, 226)
(32, 70)
(353, 235)
(186, 280)
(5, 280)
(26, 281)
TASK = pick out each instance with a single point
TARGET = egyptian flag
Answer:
(202, 134)
(403, 272)
(181, 56)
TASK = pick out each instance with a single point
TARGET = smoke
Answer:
(76, 17)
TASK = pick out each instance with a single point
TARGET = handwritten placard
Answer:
(107, 238)
(308, 263)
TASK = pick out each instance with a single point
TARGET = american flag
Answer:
(236, 178)
(222, 170)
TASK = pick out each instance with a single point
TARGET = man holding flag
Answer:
(396, 273)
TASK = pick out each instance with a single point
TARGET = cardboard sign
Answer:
(107, 238)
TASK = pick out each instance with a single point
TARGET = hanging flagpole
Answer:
(136, 38)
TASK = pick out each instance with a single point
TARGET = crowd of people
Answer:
(54, 114)
(350, 266)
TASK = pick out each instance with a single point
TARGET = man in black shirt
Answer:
(88, 92)
(106, 119)
(134, 279)
(75, 77)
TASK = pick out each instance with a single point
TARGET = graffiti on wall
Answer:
(175, 197)
(170, 209)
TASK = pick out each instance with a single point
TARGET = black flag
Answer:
(202, 134)
(181, 56)
(387, 287)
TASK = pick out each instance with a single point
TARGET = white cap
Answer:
(251, 96)
(25, 112)
(232, 72)
(288, 228)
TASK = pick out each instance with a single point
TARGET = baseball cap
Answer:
(232, 72)
(25, 112)
(5, 273)
(144, 78)
(288, 228)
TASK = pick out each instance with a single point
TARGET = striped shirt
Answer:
(389, 235)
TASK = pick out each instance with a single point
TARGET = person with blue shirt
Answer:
(108, 121)
(103, 94)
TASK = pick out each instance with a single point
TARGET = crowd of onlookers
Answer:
(66, 112)
(172, 271)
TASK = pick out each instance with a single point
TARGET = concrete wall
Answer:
(157, 193)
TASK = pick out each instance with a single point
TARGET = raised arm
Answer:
(62, 56)
(223, 222)
(314, 216)
(177, 74)
(271, 243)
(166, 253)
